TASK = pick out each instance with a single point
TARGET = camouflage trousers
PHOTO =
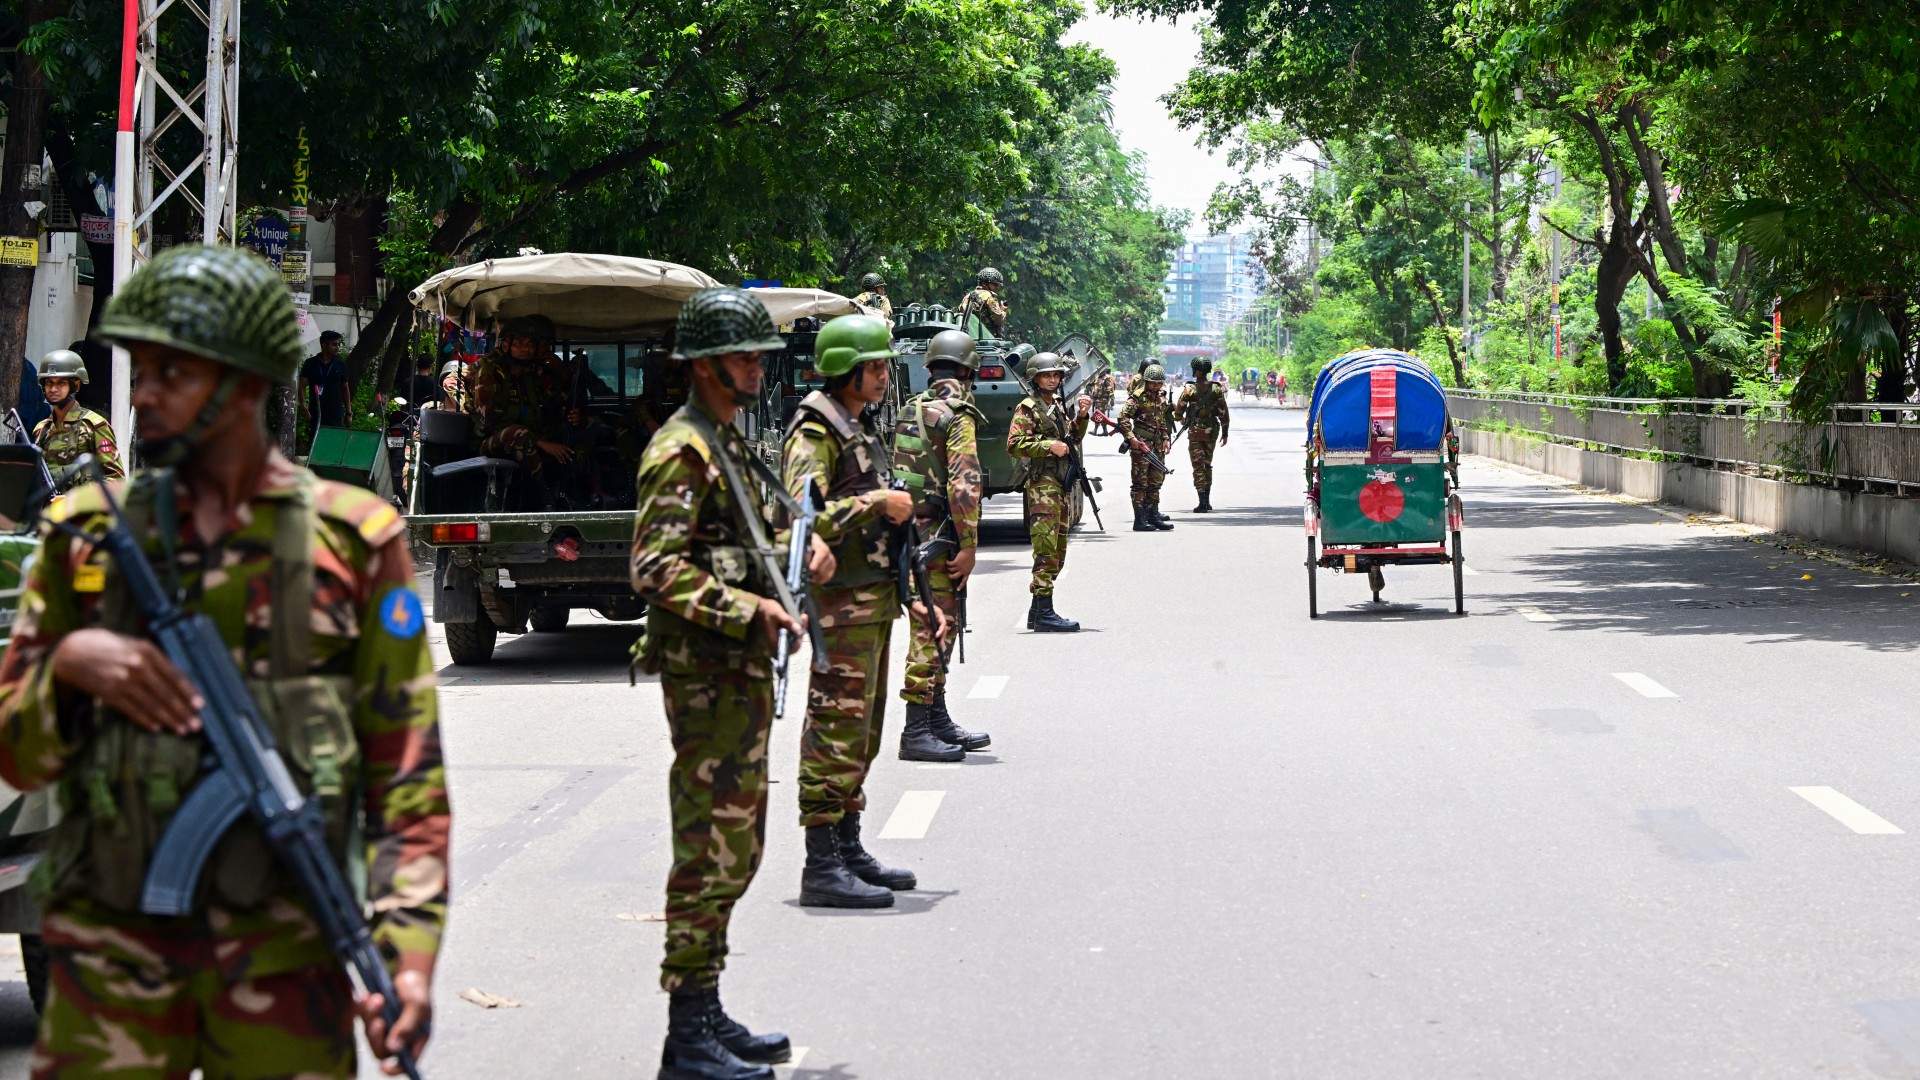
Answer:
(923, 680)
(846, 708)
(718, 790)
(108, 1016)
(1049, 518)
(1146, 478)
(1200, 445)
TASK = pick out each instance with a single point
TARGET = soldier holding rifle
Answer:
(704, 559)
(1043, 434)
(937, 456)
(1146, 423)
(310, 584)
(832, 446)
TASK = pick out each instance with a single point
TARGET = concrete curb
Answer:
(1877, 523)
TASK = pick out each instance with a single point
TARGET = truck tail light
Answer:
(460, 532)
(992, 371)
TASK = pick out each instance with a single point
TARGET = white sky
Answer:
(1152, 57)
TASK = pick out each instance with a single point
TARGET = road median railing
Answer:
(1870, 446)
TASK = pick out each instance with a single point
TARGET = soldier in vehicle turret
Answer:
(983, 301)
(873, 295)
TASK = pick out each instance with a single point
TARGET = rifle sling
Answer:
(750, 523)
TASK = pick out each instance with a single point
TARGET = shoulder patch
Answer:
(400, 613)
(371, 516)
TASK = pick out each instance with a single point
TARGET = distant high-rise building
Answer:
(1213, 281)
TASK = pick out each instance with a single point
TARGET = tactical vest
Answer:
(920, 449)
(863, 557)
(121, 790)
(668, 636)
(1048, 467)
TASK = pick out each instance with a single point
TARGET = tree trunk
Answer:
(1611, 278)
(26, 147)
(447, 239)
(1891, 385)
(395, 360)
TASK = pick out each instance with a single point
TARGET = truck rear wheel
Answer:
(472, 642)
(548, 620)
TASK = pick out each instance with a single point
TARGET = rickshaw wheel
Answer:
(1376, 581)
(1313, 580)
(1459, 578)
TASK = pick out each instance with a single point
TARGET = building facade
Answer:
(1212, 282)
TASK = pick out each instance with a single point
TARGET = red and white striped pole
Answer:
(121, 403)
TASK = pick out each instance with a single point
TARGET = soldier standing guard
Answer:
(1040, 432)
(1146, 422)
(1203, 408)
(874, 295)
(704, 560)
(73, 429)
(983, 301)
(832, 447)
(310, 583)
(936, 453)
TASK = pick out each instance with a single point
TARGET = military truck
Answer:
(513, 553)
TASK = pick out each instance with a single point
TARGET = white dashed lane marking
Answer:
(1847, 812)
(1647, 687)
(988, 686)
(1534, 614)
(912, 817)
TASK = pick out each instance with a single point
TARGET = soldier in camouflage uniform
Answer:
(873, 294)
(983, 301)
(73, 430)
(454, 394)
(936, 454)
(706, 562)
(1146, 422)
(1040, 433)
(1203, 408)
(833, 449)
(520, 397)
(310, 583)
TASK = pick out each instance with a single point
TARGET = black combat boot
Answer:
(919, 743)
(1160, 520)
(825, 882)
(769, 1049)
(1043, 620)
(1205, 507)
(1140, 521)
(693, 1050)
(865, 866)
(946, 730)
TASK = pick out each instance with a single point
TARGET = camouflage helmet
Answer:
(1154, 373)
(63, 364)
(538, 327)
(849, 341)
(873, 281)
(723, 320)
(952, 347)
(989, 276)
(226, 304)
(1045, 362)
(1201, 365)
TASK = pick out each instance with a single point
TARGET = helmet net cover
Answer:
(723, 320)
(226, 304)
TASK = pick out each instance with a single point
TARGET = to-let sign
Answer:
(19, 251)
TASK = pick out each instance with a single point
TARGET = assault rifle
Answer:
(1077, 465)
(1126, 444)
(243, 774)
(799, 543)
(915, 582)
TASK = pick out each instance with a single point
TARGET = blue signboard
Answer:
(762, 283)
(267, 235)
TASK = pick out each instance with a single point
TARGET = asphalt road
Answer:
(1636, 814)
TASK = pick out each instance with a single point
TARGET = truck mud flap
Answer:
(456, 590)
